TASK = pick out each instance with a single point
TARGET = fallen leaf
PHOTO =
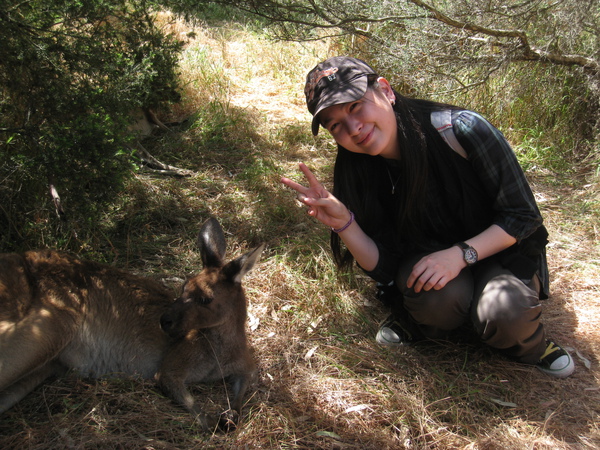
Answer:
(310, 353)
(329, 434)
(503, 403)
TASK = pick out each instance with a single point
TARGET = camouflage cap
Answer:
(340, 79)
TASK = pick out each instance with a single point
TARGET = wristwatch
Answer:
(469, 253)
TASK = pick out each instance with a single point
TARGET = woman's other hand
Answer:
(435, 270)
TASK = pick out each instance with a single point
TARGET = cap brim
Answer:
(355, 90)
(316, 123)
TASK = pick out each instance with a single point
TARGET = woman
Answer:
(454, 226)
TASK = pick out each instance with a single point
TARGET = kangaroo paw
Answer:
(228, 421)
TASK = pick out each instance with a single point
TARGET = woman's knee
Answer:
(506, 299)
(507, 316)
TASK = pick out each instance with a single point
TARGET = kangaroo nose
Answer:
(166, 322)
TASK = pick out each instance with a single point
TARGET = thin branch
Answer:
(316, 15)
(530, 53)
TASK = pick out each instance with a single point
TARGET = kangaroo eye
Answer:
(194, 293)
(205, 300)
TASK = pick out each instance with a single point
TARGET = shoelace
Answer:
(550, 349)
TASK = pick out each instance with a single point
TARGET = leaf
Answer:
(329, 434)
(586, 362)
(356, 408)
(503, 403)
(253, 321)
(310, 353)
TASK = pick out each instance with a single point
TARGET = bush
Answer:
(71, 73)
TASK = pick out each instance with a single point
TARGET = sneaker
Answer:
(396, 330)
(556, 361)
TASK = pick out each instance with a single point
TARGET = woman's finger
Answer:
(422, 278)
(293, 185)
(414, 276)
(310, 177)
(440, 284)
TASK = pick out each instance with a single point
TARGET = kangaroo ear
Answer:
(211, 241)
(236, 269)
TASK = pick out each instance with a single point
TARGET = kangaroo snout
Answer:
(172, 318)
(167, 322)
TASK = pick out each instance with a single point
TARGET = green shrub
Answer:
(71, 73)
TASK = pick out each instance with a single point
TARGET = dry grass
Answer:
(323, 383)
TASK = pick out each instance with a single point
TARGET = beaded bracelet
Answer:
(339, 230)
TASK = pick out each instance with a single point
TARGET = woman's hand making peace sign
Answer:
(322, 205)
(328, 210)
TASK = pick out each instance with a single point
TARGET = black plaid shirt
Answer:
(495, 165)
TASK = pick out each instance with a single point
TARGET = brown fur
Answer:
(58, 312)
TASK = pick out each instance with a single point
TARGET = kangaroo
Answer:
(58, 312)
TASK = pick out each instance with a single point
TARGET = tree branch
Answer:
(530, 53)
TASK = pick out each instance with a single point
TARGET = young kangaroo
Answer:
(58, 312)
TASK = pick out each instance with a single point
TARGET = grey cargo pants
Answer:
(504, 310)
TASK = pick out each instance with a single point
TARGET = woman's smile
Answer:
(365, 139)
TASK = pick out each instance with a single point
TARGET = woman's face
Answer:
(367, 125)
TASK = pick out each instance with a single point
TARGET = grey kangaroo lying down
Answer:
(58, 312)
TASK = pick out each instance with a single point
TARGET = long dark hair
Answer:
(361, 181)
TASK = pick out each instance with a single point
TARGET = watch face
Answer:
(470, 255)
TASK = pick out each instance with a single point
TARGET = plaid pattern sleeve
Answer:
(495, 163)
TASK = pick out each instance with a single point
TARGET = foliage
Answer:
(547, 113)
(71, 73)
(452, 34)
(442, 49)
